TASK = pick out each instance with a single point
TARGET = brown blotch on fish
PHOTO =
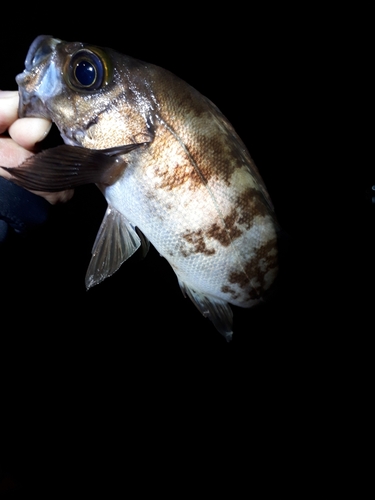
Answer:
(209, 148)
(227, 232)
(264, 256)
(198, 244)
(177, 176)
(230, 291)
(252, 203)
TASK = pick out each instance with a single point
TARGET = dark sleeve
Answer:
(20, 210)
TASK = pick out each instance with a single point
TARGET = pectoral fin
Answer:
(115, 242)
(66, 167)
(218, 311)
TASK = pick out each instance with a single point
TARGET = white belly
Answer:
(188, 229)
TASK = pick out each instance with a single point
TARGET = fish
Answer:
(173, 170)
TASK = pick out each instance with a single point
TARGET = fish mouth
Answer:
(42, 47)
(36, 63)
(30, 106)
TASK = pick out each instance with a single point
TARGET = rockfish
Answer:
(173, 171)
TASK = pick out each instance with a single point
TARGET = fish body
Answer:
(184, 181)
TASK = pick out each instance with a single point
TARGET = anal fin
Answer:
(218, 311)
(115, 242)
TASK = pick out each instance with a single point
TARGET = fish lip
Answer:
(41, 47)
(31, 105)
(33, 49)
(39, 53)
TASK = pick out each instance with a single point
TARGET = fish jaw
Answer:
(39, 81)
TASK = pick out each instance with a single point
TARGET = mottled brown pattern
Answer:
(191, 169)
(198, 244)
(186, 101)
(252, 268)
(213, 154)
(193, 190)
(227, 233)
(209, 138)
(176, 177)
(252, 203)
(172, 163)
(230, 291)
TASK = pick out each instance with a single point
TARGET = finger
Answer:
(28, 131)
(8, 109)
(54, 198)
(11, 155)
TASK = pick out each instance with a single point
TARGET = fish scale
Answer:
(173, 168)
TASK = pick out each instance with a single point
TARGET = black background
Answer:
(89, 368)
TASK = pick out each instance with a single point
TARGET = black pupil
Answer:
(85, 73)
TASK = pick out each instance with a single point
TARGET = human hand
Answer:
(19, 144)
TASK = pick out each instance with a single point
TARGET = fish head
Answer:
(79, 87)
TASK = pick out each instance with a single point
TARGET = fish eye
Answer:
(85, 73)
(87, 70)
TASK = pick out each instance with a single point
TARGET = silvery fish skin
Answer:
(174, 172)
